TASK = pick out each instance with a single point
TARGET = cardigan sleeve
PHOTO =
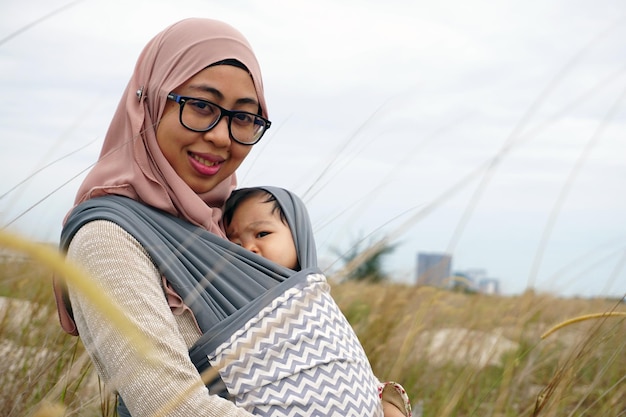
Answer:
(165, 382)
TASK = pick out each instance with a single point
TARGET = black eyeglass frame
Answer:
(181, 100)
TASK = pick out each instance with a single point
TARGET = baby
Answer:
(254, 219)
(274, 224)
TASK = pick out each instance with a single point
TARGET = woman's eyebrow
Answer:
(220, 96)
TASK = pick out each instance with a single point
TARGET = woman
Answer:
(191, 111)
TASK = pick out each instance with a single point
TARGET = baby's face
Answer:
(257, 229)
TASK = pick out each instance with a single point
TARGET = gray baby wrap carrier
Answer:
(276, 337)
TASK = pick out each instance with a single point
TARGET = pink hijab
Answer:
(131, 163)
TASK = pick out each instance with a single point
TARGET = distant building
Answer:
(489, 286)
(480, 280)
(433, 268)
(460, 281)
(475, 274)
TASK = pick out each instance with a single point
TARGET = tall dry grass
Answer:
(40, 363)
(478, 355)
(456, 354)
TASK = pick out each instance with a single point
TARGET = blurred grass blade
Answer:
(80, 280)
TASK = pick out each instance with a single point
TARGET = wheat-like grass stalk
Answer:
(79, 280)
(582, 318)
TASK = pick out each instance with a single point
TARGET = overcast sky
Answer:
(491, 130)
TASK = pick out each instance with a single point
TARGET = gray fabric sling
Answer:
(215, 277)
(222, 283)
(324, 370)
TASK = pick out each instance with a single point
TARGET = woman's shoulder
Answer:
(100, 230)
(102, 236)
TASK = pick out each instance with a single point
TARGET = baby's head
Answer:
(254, 220)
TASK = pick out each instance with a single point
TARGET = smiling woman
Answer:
(147, 227)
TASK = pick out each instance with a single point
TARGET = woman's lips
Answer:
(205, 164)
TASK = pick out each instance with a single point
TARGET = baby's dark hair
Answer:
(241, 195)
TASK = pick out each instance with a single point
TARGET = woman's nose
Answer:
(219, 135)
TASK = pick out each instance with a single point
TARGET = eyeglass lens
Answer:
(202, 115)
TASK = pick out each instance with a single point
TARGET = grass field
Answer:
(456, 354)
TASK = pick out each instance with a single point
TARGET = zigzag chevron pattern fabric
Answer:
(299, 357)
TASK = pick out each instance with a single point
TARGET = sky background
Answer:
(494, 131)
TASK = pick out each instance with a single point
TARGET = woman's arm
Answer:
(147, 384)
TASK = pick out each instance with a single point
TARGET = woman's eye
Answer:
(202, 107)
(243, 119)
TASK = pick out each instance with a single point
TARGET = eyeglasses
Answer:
(202, 115)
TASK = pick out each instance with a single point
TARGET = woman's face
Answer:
(204, 159)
